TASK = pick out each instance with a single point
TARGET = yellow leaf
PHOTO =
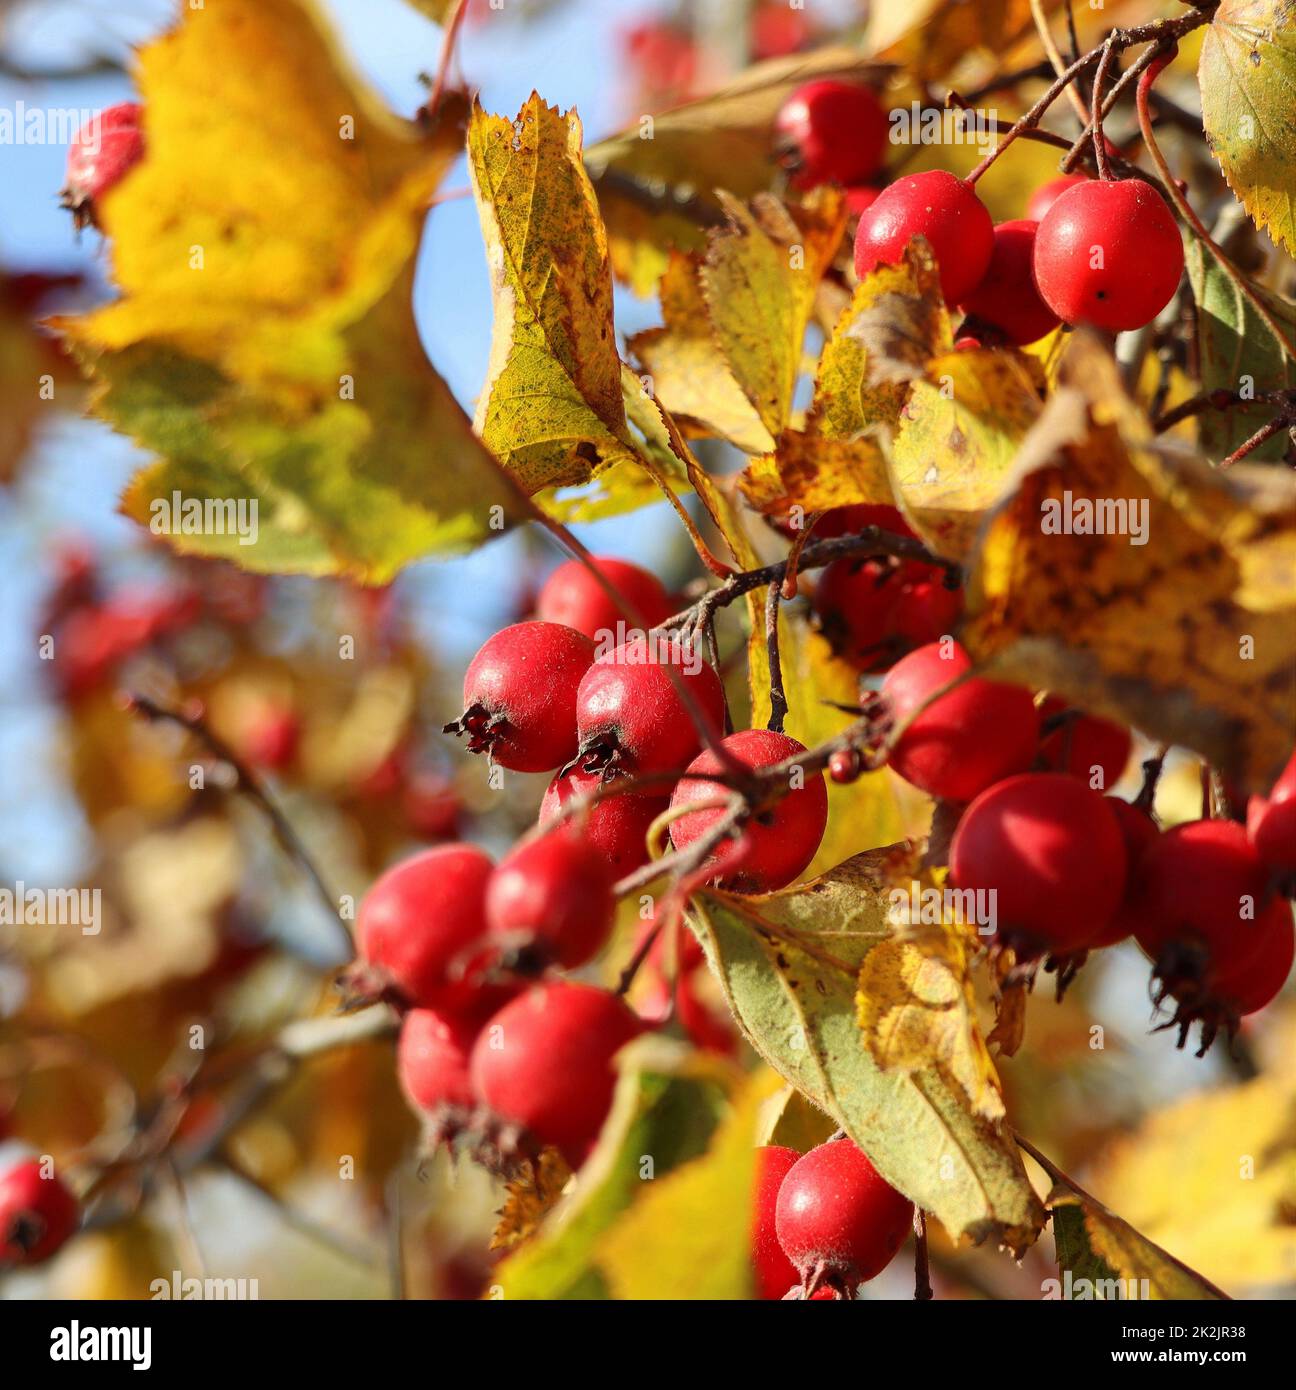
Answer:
(1166, 635)
(264, 343)
(688, 1235)
(551, 407)
(1246, 74)
(530, 1195)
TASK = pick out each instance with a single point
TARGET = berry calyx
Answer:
(1093, 749)
(419, 924)
(544, 1063)
(37, 1213)
(1006, 298)
(776, 842)
(1271, 822)
(1108, 254)
(773, 1273)
(520, 696)
(574, 597)
(1203, 888)
(940, 207)
(630, 718)
(1048, 193)
(101, 154)
(550, 902)
(615, 828)
(971, 736)
(837, 1218)
(831, 132)
(1052, 853)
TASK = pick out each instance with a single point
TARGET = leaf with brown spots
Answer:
(1191, 636)
(789, 963)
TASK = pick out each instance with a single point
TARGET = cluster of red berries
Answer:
(38, 1212)
(494, 1042)
(1072, 869)
(875, 608)
(823, 1222)
(1102, 252)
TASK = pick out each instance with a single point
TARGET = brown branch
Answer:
(777, 695)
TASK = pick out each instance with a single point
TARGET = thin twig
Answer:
(777, 695)
(922, 1264)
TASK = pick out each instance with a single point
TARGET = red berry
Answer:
(101, 154)
(835, 1210)
(270, 735)
(832, 132)
(1053, 854)
(1271, 822)
(544, 1062)
(1203, 888)
(550, 901)
(420, 921)
(37, 1213)
(1247, 988)
(1006, 298)
(572, 596)
(432, 1059)
(630, 717)
(773, 1272)
(845, 521)
(520, 696)
(432, 806)
(1138, 830)
(615, 828)
(976, 734)
(1087, 747)
(940, 207)
(1108, 254)
(1048, 193)
(873, 610)
(776, 842)
(709, 1027)
(845, 766)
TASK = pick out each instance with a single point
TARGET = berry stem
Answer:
(777, 695)
(451, 37)
(922, 1264)
(1265, 432)
(1100, 83)
(1056, 61)
(194, 722)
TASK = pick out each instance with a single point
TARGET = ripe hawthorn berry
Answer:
(836, 1214)
(419, 925)
(873, 610)
(37, 1213)
(1138, 830)
(775, 842)
(1247, 988)
(773, 1273)
(550, 902)
(432, 1061)
(1006, 299)
(630, 718)
(101, 154)
(520, 696)
(1271, 822)
(1202, 890)
(1052, 852)
(970, 737)
(940, 207)
(544, 1063)
(614, 827)
(830, 131)
(574, 597)
(1108, 254)
(1048, 193)
(1093, 749)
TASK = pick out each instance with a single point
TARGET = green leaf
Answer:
(1247, 75)
(788, 963)
(667, 1105)
(1237, 350)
